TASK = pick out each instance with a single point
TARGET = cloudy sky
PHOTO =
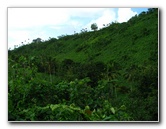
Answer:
(26, 24)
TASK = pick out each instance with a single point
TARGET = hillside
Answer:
(135, 38)
(100, 75)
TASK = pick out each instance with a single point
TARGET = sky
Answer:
(26, 24)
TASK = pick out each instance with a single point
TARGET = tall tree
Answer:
(94, 26)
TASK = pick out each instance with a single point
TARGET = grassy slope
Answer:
(132, 43)
(126, 43)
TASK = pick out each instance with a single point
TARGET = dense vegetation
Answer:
(105, 75)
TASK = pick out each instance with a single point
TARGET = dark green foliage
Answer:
(107, 75)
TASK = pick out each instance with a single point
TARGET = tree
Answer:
(94, 26)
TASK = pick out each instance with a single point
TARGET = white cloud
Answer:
(16, 37)
(124, 14)
(85, 12)
(30, 17)
(32, 23)
(106, 16)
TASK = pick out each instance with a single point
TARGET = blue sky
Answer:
(32, 23)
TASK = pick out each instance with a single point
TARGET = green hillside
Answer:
(106, 75)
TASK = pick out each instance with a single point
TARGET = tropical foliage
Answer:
(107, 75)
